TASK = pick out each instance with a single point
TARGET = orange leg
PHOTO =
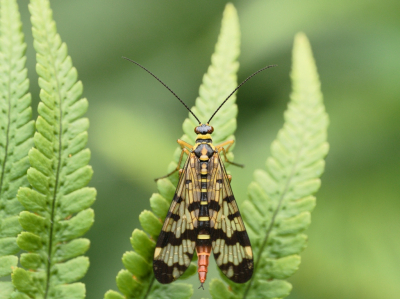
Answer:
(220, 148)
(230, 142)
(184, 145)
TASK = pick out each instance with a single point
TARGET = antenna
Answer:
(164, 86)
(240, 85)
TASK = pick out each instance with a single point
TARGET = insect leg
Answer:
(230, 142)
(220, 148)
(183, 145)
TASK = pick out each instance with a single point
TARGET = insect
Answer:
(203, 215)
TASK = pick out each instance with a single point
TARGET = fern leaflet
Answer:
(280, 199)
(58, 202)
(16, 132)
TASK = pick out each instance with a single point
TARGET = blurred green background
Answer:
(354, 244)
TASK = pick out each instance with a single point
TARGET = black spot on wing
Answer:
(175, 217)
(240, 237)
(229, 199)
(193, 206)
(233, 216)
(241, 273)
(163, 272)
(177, 199)
(213, 205)
(166, 238)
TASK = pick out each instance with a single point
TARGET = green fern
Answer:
(58, 201)
(280, 199)
(16, 132)
(138, 280)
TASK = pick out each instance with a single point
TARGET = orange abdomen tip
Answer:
(203, 253)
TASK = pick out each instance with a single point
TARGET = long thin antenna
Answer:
(164, 86)
(248, 78)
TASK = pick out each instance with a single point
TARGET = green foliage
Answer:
(280, 199)
(219, 81)
(16, 132)
(138, 280)
(58, 203)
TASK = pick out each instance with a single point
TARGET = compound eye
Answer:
(210, 130)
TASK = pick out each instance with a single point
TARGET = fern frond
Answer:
(280, 199)
(138, 280)
(219, 81)
(16, 132)
(58, 202)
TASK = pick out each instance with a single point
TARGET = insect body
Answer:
(203, 215)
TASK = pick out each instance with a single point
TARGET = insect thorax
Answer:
(204, 148)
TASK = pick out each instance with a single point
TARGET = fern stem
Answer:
(55, 189)
(271, 225)
(48, 270)
(3, 167)
(150, 286)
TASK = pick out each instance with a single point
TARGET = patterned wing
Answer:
(230, 242)
(176, 242)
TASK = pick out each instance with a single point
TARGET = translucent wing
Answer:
(230, 242)
(176, 242)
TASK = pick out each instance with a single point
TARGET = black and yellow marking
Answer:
(211, 218)
(203, 212)
(203, 152)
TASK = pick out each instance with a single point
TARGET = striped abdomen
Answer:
(203, 243)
